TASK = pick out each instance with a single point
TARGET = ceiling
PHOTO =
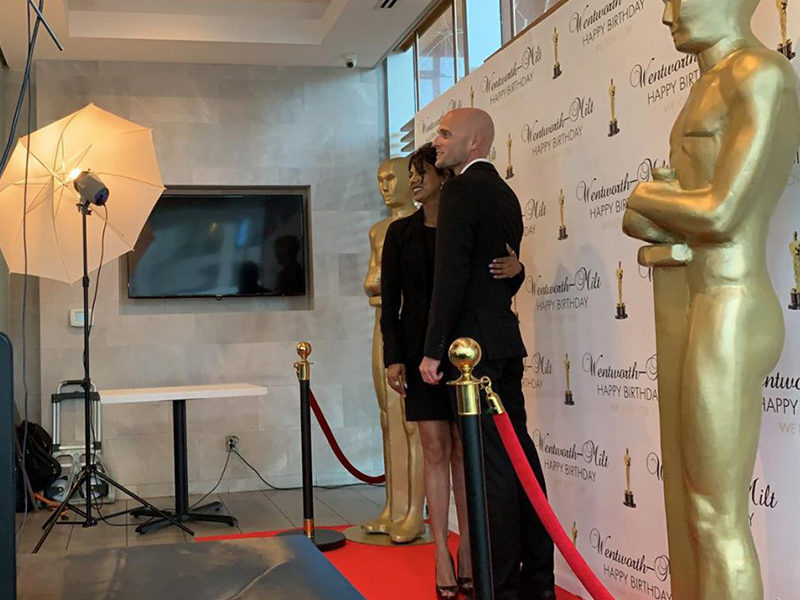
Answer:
(262, 32)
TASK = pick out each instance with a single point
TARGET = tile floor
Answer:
(256, 511)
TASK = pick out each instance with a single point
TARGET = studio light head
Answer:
(91, 189)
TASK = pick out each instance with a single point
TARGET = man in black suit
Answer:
(478, 215)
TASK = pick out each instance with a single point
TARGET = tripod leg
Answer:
(65, 502)
(161, 514)
(53, 519)
(24, 474)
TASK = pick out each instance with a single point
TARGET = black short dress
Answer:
(406, 290)
(425, 402)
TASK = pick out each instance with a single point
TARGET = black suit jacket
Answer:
(478, 215)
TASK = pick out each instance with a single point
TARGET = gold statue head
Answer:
(393, 183)
(697, 25)
(465, 353)
(303, 350)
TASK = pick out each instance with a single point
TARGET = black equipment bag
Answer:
(41, 467)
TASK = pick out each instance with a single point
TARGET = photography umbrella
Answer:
(85, 158)
(118, 152)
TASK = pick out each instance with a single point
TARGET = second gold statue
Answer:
(719, 325)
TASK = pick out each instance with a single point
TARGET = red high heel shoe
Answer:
(447, 592)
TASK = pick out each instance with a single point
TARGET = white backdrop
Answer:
(559, 132)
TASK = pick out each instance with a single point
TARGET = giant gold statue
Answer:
(402, 515)
(719, 326)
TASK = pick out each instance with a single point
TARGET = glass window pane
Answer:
(400, 92)
(483, 30)
(436, 68)
(460, 39)
(527, 11)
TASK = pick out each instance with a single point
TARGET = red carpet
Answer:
(379, 572)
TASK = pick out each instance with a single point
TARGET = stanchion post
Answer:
(323, 539)
(303, 368)
(465, 353)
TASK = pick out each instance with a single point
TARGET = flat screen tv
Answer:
(222, 242)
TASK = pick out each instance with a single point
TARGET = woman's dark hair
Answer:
(426, 154)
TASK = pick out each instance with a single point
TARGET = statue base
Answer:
(795, 300)
(621, 314)
(629, 499)
(786, 50)
(562, 232)
(357, 534)
(568, 398)
(509, 172)
(556, 71)
(613, 128)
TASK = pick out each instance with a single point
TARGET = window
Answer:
(483, 30)
(527, 11)
(436, 63)
(400, 89)
(456, 37)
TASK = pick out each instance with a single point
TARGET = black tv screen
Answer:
(217, 242)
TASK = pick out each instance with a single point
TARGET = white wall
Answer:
(226, 125)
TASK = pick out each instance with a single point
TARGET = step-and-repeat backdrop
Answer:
(583, 104)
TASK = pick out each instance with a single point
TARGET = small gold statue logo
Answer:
(785, 47)
(556, 64)
(568, 399)
(562, 229)
(613, 126)
(471, 97)
(574, 534)
(628, 493)
(621, 314)
(509, 168)
(794, 250)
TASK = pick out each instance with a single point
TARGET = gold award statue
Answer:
(574, 533)
(509, 168)
(628, 492)
(794, 251)
(621, 313)
(613, 125)
(562, 229)
(785, 46)
(471, 97)
(568, 400)
(719, 325)
(402, 515)
(556, 64)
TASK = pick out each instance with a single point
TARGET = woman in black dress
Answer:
(406, 289)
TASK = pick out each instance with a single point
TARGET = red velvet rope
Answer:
(545, 512)
(326, 429)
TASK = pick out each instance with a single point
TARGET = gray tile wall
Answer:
(227, 125)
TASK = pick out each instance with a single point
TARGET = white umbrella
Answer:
(119, 152)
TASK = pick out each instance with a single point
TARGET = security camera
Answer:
(351, 61)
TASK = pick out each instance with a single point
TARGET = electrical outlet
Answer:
(231, 443)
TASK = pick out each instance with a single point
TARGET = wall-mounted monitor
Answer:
(221, 242)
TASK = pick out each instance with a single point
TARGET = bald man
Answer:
(478, 215)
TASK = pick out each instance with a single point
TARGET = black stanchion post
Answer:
(324, 539)
(465, 353)
(303, 368)
(8, 570)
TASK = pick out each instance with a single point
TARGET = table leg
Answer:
(182, 510)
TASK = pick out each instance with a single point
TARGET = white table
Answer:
(178, 395)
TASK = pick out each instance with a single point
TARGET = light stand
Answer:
(92, 191)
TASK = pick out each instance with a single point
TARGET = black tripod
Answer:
(92, 191)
